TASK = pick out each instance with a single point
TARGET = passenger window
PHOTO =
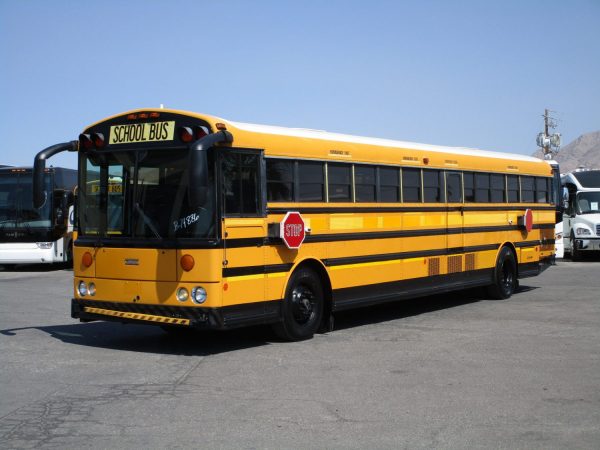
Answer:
(340, 182)
(512, 182)
(389, 184)
(280, 180)
(433, 180)
(497, 188)
(311, 181)
(482, 188)
(527, 190)
(411, 185)
(469, 181)
(541, 188)
(364, 179)
(454, 187)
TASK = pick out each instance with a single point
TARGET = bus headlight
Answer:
(82, 288)
(92, 289)
(44, 245)
(583, 232)
(182, 294)
(199, 295)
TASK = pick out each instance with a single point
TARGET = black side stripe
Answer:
(407, 255)
(256, 270)
(375, 209)
(274, 268)
(535, 243)
(334, 237)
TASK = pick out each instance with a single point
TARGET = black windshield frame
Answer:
(142, 224)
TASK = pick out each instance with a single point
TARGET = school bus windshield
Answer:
(142, 194)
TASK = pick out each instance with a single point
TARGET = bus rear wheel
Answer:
(302, 308)
(505, 276)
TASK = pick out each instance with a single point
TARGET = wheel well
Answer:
(318, 267)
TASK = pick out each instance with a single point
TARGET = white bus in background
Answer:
(581, 218)
(29, 235)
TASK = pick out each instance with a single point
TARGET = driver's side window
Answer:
(241, 175)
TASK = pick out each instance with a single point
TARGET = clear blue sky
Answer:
(466, 73)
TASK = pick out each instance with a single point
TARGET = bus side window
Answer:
(497, 184)
(469, 181)
(512, 181)
(433, 180)
(541, 189)
(340, 182)
(482, 188)
(527, 189)
(280, 180)
(411, 185)
(453, 187)
(364, 179)
(311, 181)
(389, 184)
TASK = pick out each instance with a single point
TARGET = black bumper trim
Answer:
(224, 318)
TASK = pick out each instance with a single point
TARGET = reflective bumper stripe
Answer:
(137, 316)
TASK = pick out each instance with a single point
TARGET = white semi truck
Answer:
(581, 217)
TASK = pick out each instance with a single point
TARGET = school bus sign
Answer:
(291, 230)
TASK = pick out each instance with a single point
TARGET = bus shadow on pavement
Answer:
(401, 309)
(151, 339)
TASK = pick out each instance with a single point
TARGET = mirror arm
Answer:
(39, 167)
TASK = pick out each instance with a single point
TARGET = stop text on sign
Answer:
(291, 230)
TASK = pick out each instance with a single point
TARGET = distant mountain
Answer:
(583, 151)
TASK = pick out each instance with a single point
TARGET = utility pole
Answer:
(550, 143)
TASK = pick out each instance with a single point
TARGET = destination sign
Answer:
(112, 189)
(142, 132)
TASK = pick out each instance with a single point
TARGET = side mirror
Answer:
(198, 180)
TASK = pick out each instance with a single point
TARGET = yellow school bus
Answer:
(196, 221)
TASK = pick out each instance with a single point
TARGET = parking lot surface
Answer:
(451, 371)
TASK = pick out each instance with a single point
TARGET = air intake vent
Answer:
(597, 230)
(454, 264)
(434, 266)
(470, 261)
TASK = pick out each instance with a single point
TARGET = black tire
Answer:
(575, 252)
(505, 276)
(302, 308)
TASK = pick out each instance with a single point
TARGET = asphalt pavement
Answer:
(448, 371)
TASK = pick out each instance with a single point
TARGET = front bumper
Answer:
(194, 317)
(589, 244)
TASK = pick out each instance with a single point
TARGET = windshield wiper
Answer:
(147, 220)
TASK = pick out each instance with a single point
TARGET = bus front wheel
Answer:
(505, 276)
(302, 308)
